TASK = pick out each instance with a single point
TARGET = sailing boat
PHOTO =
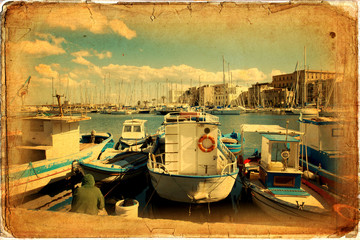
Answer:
(306, 110)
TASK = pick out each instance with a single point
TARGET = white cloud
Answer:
(38, 48)
(88, 18)
(250, 75)
(102, 55)
(46, 71)
(275, 72)
(89, 53)
(184, 72)
(51, 38)
(82, 53)
(73, 75)
(82, 61)
(120, 28)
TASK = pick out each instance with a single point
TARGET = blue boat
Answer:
(232, 142)
(276, 185)
(321, 149)
(122, 166)
(116, 165)
(47, 147)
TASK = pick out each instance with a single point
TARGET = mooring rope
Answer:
(152, 194)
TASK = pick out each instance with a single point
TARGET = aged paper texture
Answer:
(76, 48)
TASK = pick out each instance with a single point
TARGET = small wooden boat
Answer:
(133, 136)
(119, 167)
(277, 188)
(192, 164)
(232, 142)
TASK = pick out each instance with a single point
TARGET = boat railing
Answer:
(224, 149)
(190, 117)
(160, 130)
(229, 168)
(232, 166)
(154, 164)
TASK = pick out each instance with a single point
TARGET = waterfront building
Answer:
(255, 96)
(175, 96)
(206, 95)
(275, 97)
(317, 83)
(226, 94)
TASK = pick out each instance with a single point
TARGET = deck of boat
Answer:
(86, 145)
(314, 199)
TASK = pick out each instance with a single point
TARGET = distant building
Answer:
(225, 94)
(255, 96)
(175, 96)
(275, 97)
(315, 80)
(206, 95)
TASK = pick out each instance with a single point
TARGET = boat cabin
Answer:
(279, 165)
(325, 133)
(47, 137)
(191, 142)
(134, 129)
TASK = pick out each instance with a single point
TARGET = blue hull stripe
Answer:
(193, 176)
(53, 164)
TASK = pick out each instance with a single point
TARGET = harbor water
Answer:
(237, 207)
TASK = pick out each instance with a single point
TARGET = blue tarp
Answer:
(280, 138)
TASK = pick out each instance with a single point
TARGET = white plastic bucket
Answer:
(127, 211)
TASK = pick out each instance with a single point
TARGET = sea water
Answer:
(228, 123)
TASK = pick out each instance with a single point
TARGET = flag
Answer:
(24, 88)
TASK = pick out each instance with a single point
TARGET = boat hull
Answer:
(283, 210)
(134, 164)
(193, 189)
(132, 145)
(32, 177)
(225, 112)
(110, 177)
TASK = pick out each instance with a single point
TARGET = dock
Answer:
(23, 223)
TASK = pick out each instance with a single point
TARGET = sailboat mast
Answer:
(223, 81)
(305, 87)
(52, 90)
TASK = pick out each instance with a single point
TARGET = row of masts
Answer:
(128, 93)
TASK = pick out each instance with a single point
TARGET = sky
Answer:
(139, 52)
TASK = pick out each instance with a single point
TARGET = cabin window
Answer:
(276, 150)
(137, 129)
(127, 129)
(284, 181)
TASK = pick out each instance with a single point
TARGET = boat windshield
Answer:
(277, 149)
(127, 129)
(137, 129)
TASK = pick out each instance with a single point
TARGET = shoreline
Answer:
(21, 223)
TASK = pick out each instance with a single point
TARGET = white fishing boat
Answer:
(133, 135)
(225, 111)
(48, 146)
(192, 164)
(276, 185)
(120, 112)
(306, 111)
